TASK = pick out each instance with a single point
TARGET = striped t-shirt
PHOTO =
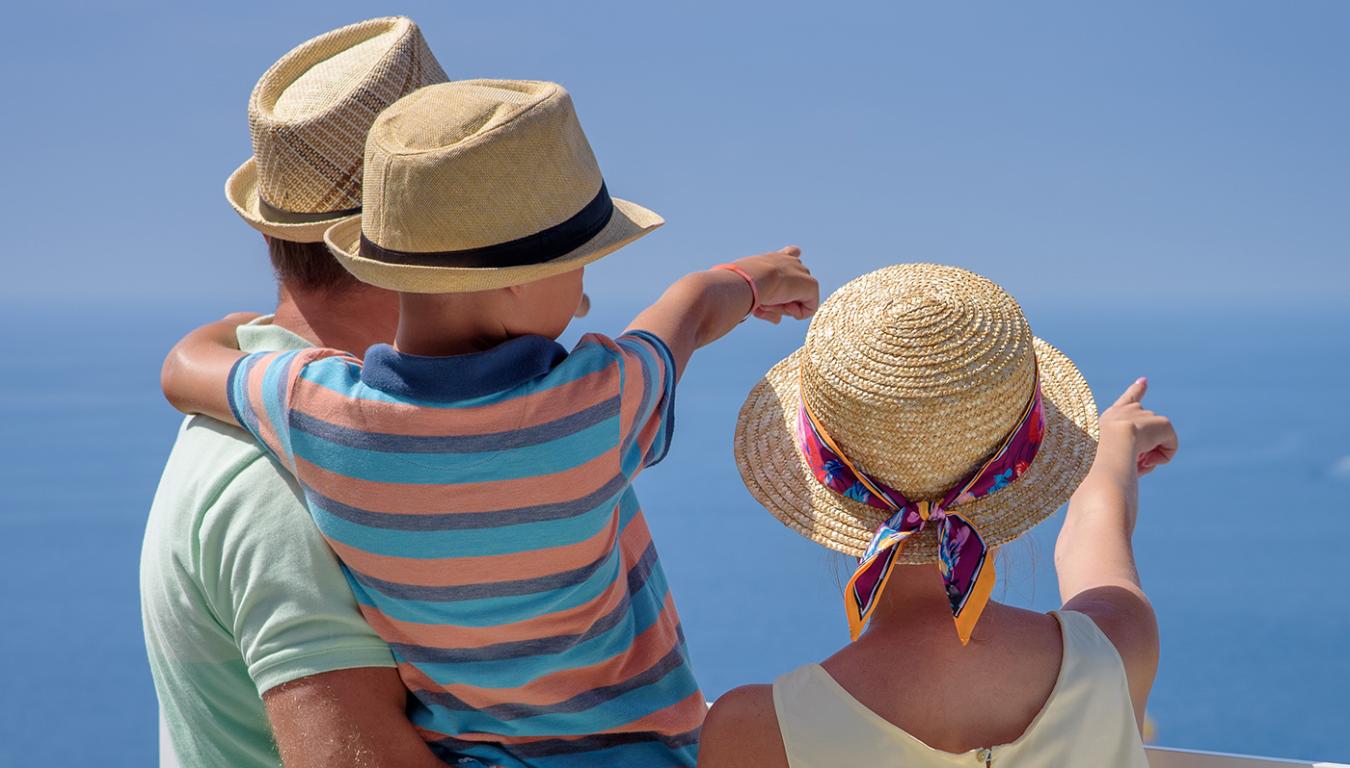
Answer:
(483, 510)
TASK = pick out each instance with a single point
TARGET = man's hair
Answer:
(307, 266)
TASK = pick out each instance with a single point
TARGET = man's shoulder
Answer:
(219, 454)
(213, 463)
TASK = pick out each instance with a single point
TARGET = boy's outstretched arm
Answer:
(196, 372)
(702, 307)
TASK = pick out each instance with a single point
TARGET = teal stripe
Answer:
(492, 611)
(239, 393)
(648, 755)
(657, 377)
(273, 385)
(504, 540)
(645, 607)
(661, 445)
(642, 755)
(627, 512)
(547, 458)
(610, 715)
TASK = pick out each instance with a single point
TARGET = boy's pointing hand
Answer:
(785, 284)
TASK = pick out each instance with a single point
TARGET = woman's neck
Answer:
(913, 603)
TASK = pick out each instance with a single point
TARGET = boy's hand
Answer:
(702, 307)
(785, 285)
(1148, 437)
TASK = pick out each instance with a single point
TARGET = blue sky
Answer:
(1157, 154)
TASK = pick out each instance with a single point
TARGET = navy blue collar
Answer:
(460, 377)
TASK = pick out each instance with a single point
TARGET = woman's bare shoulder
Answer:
(742, 729)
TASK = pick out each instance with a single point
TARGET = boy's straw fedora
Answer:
(309, 114)
(481, 184)
(918, 372)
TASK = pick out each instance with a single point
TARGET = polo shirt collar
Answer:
(264, 335)
(460, 377)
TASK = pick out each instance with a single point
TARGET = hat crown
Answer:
(918, 372)
(475, 163)
(310, 112)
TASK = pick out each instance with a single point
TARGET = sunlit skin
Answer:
(457, 323)
(1014, 656)
(696, 310)
(353, 318)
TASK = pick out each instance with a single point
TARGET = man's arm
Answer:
(704, 306)
(197, 369)
(1094, 556)
(351, 718)
(327, 681)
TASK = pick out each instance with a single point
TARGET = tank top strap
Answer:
(1091, 699)
(1090, 658)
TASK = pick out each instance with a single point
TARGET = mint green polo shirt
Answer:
(239, 593)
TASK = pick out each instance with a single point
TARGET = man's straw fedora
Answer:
(308, 116)
(481, 184)
(918, 372)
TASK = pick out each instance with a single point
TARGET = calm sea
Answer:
(1241, 542)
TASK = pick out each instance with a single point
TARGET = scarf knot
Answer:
(963, 557)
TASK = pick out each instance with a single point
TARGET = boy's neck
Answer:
(440, 325)
(349, 319)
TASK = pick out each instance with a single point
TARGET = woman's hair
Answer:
(307, 266)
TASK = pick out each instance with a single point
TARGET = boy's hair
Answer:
(308, 266)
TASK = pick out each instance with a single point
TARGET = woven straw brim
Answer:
(241, 189)
(773, 470)
(629, 222)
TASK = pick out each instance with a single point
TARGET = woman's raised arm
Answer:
(1094, 557)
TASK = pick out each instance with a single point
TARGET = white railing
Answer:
(1158, 757)
(1163, 757)
(167, 758)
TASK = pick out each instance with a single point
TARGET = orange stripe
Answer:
(977, 601)
(684, 715)
(485, 738)
(681, 717)
(520, 412)
(489, 496)
(453, 636)
(481, 569)
(648, 648)
(633, 542)
(632, 394)
(254, 389)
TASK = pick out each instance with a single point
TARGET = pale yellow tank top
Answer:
(1087, 721)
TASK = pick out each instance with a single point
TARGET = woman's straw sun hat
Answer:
(308, 117)
(481, 184)
(918, 372)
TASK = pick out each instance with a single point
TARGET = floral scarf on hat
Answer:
(967, 570)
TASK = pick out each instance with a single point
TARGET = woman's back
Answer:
(919, 428)
(1018, 701)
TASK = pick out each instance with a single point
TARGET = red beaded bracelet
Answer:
(754, 289)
